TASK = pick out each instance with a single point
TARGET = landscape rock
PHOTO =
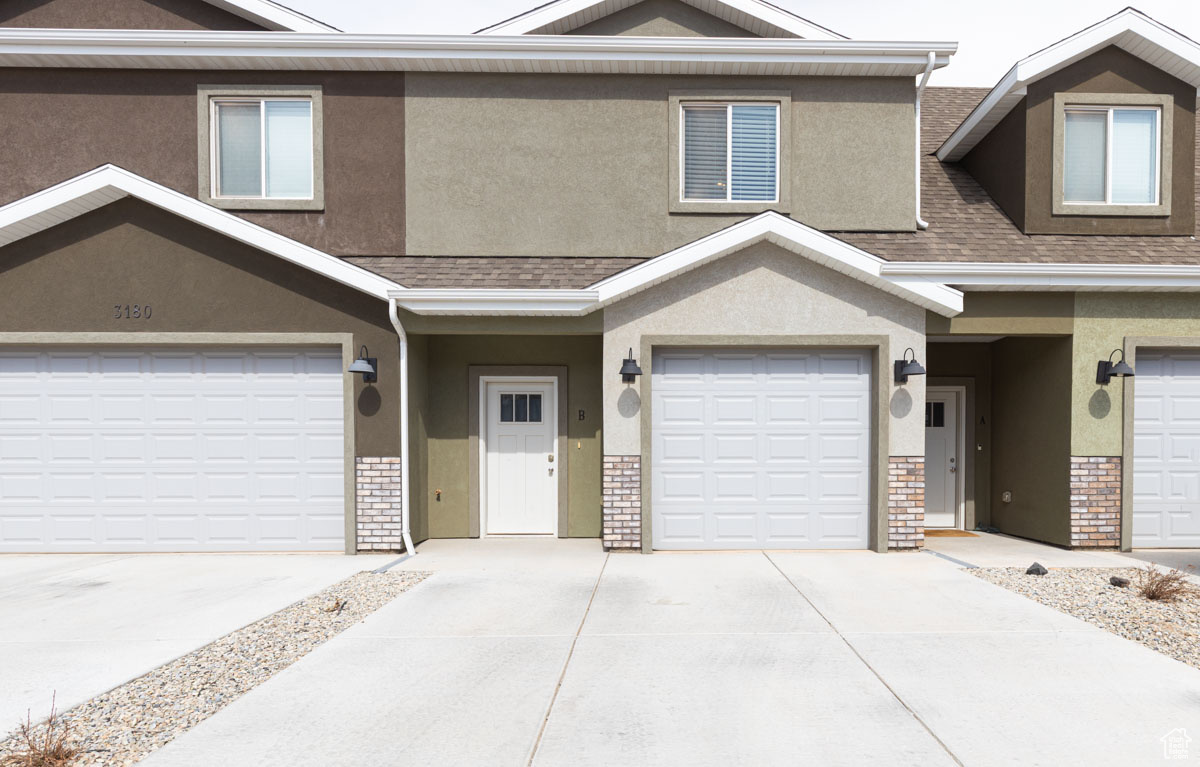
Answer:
(1119, 582)
(1036, 569)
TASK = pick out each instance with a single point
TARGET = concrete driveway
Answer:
(80, 624)
(551, 653)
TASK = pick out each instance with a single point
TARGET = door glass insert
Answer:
(520, 408)
(935, 414)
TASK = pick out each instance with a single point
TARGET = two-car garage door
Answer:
(1166, 450)
(760, 449)
(171, 450)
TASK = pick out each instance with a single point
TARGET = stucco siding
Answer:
(120, 14)
(576, 165)
(662, 18)
(761, 293)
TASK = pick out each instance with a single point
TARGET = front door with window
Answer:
(521, 457)
(941, 459)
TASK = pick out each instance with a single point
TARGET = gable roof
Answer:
(272, 15)
(756, 16)
(1131, 30)
(772, 227)
(107, 184)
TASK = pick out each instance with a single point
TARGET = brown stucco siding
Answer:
(1110, 70)
(662, 18)
(997, 164)
(579, 165)
(120, 14)
(67, 280)
(56, 124)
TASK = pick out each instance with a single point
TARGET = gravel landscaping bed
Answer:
(127, 723)
(1171, 628)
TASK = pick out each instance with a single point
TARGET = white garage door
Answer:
(760, 449)
(1166, 450)
(171, 450)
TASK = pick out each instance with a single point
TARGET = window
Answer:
(1111, 155)
(520, 408)
(261, 147)
(935, 415)
(729, 152)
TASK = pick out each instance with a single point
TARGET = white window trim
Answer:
(1108, 157)
(728, 105)
(215, 146)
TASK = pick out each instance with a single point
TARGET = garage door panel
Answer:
(777, 456)
(1166, 455)
(126, 450)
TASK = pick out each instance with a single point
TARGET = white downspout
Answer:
(405, 516)
(922, 223)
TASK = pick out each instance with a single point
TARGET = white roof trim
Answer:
(142, 49)
(272, 15)
(492, 302)
(791, 235)
(1130, 30)
(97, 188)
(1052, 277)
(756, 16)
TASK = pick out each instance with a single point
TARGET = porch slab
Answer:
(992, 550)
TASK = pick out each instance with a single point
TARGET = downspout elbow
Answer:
(405, 515)
(922, 224)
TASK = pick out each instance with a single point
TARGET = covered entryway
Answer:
(760, 449)
(171, 449)
(1166, 450)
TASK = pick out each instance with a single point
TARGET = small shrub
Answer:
(1159, 586)
(48, 744)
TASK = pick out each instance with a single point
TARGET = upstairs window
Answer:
(1112, 155)
(262, 148)
(730, 153)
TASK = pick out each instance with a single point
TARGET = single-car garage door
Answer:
(1166, 450)
(760, 449)
(171, 450)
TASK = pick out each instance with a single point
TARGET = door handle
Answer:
(953, 470)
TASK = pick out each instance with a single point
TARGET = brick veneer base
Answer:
(906, 502)
(377, 503)
(1096, 502)
(621, 499)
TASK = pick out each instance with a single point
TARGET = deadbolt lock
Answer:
(550, 458)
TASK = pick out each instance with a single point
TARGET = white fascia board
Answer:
(1023, 276)
(555, 12)
(793, 236)
(460, 301)
(272, 15)
(1130, 29)
(453, 53)
(96, 188)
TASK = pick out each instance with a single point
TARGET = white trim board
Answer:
(1131, 30)
(142, 49)
(755, 16)
(969, 276)
(272, 16)
(109, 183)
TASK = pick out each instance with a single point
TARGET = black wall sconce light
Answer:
(906, 367)
(368, 366)
(629, 368)
(1107, 370)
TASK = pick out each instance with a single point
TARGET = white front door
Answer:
(1166, 450)
(941, 458)
(521, 456)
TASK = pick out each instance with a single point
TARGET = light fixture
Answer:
(906, 367)
(629, 368)
(368, 366)
(1106, 370)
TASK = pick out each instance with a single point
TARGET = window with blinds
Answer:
(263, 148)
(730, 152)
(1111, 155)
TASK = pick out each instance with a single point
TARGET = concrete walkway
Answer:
(77, 625)
(551, 653)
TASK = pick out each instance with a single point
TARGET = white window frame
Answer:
(683, 105)
(1108, 147)
(215, 146)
